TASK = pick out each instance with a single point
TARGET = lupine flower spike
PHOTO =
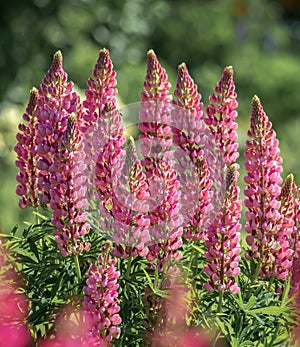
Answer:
(264, 215)
(221, 116)
(26, 150)
(101, 298)
(223, 240)
(101, 88)
(156, 140)
(154, 115)
(190, 135)
(61, 158)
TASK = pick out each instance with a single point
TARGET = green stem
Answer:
(220, 301)
(127, 274)
(77, 267)
(37, 220)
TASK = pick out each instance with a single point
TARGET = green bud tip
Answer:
(57, 60)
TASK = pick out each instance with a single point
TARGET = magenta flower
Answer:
(264, 215)
(61, 158)
(221, 115)
(101, 298)
(26, 150)
(223, 240)
(101, 88)
(295, 246)
(156, 140)
(156, 85)
(191, 136)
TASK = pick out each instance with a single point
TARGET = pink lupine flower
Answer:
(264, 217)
(154, 114)
(61, 157)
(191, 136)
(26, 150)
(284, 253)
(156, 141)
(223, 240)
(295, 246)
(156, 85)
(101, 298)
(221, 115)
(130, 206)
(101, 88)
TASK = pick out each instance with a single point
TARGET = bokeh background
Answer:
(259, 38)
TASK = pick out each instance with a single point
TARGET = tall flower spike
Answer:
(101, 298)
(101, 88)
(264, 217)
(284, 254)
(156, 85)
(295, 245)
(192, 137)
(61, 157)
(154, 114)
(26, 150)
(221, 115)
(223, 239)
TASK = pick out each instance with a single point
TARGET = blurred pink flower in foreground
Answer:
(171, 329)
(13, 308)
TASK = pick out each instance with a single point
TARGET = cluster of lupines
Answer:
(66, 146)
(51, 159)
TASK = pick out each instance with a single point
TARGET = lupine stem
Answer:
(220, 301)
(127, 274)
(77, 267)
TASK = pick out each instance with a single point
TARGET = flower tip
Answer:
(57, 60)
(33, 91)
(151, 53)
(255, 100)
(182, 66)
(229, 70)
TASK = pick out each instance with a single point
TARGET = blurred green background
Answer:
(259, 38)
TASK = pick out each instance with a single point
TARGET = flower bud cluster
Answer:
(101, 298)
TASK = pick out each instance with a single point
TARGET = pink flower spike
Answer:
(26, 150)
(156, 85)
(264, 201)
(101, 88)
(101, 298)
(221, 116)
(61, 157)
(223, 240)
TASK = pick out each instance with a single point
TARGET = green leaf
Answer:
(252, 301)
(246, 344)
(270, 310)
